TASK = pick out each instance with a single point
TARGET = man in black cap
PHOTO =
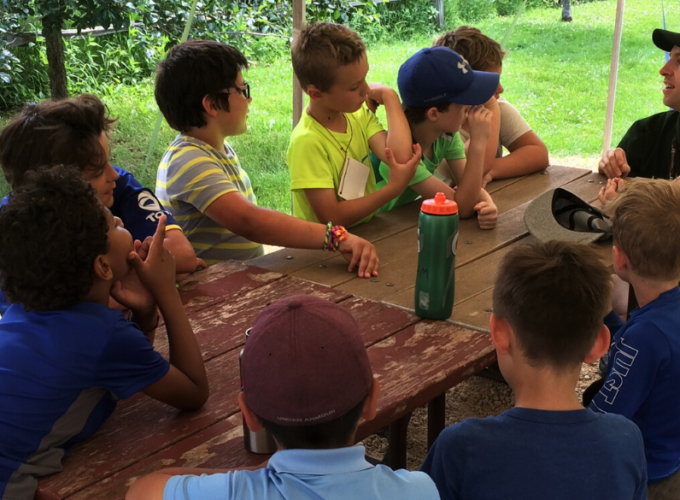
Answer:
(650, 147)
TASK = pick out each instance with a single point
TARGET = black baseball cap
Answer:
(665, 40)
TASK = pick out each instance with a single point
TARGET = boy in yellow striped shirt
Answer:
(201, 92)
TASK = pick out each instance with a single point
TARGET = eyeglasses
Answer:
(244, 90)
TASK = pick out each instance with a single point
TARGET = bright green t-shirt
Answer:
(448, 147)
(315, 159)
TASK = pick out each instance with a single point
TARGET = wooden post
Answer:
(439, 5)
(298, 95)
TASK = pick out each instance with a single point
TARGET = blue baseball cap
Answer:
(439, 74)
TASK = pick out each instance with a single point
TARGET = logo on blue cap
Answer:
(439, 74)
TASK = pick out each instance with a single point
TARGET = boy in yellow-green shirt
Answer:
(328, 156)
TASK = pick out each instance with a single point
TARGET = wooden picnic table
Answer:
(416, 360)
(394, 235)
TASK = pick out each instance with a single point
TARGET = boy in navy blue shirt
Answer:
(549, 301)
(307, 380)
(74, 132)
(644, 359)
(65, 356)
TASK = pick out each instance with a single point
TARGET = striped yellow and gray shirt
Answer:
(191, 176)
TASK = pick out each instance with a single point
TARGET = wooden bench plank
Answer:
(220, 446)
(476, 311)
(221, 282)
(470, 280)
(533, 185)
(495, 186)
(222, 326)
(118, 445)
(421, 362)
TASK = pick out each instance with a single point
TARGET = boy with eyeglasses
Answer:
(202, 94)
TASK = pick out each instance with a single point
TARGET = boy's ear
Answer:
(102, 268)
(371, 404)
(251, 420)
(500, 334)
(313, 93)
(209, 105)
(600, 347)
(432, 114)
(621, 261)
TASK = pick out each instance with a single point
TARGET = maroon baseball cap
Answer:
(304, 362)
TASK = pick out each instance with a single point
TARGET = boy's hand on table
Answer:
(614, 164)
(358, 251)
(479, 121)
(157, 270)
(402, 173)
(487, 214)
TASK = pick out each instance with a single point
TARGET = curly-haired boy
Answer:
(65, 356)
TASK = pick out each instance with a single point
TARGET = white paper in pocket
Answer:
(353, 179)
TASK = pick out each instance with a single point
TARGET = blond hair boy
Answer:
(644, 358)
(329, 152)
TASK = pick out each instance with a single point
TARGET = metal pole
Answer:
(298, 95)
(613, 75)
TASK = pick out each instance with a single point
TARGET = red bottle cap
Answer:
(439, 205)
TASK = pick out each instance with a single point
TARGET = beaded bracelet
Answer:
(334, 236)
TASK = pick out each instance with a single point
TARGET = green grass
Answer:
(556, 73)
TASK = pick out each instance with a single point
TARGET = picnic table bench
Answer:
(416, 360)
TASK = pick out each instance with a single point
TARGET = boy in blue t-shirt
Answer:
(65, 356)
(307, 380)
(548, 301)
(74, 132)
(644, 358)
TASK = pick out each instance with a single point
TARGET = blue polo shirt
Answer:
(642, 380)
(527, 454)
(337, 474)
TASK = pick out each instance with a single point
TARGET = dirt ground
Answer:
(476, 397)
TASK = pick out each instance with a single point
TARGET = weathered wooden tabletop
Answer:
(394, 235)
(415, 360)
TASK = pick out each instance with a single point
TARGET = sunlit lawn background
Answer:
(556, 73)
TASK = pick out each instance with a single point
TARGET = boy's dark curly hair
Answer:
(51, 230)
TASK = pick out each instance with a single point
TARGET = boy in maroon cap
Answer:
(307, 380)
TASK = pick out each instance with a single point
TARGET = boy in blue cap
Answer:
(548, 302)
(439, 90)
